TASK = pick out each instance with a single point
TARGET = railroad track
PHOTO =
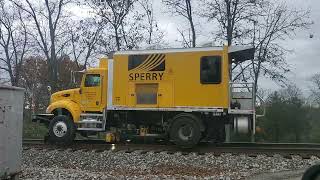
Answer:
(305, 150)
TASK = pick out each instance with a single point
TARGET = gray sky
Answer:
(304, 61)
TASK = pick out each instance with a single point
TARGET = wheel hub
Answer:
(185, 132)
(60, 129)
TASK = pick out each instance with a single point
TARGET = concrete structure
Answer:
(11, 119)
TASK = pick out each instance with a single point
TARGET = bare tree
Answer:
(315, 89)
(13, 40)
(148, 8)
(186, 36)
(155, 35)
(231, 16)
(113, 12)
(276, 23)
(133, 30)
(47, 30)
(184, 8)
(84, 41)
(105, 44)
(262, 24)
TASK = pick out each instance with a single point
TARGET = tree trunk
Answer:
(229, 30)
(189, 12)
(53, 64)
(117, 38)
(193, 34)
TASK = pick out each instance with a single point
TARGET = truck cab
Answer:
(88, 97)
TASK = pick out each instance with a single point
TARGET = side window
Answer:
(92, 80)
(210, 70)
(148, 62)
(135, 60)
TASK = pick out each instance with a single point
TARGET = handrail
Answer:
(250, 88)
(264, 107)
(241, 83)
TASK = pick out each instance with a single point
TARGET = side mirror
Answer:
(80, 91)
(74, 76)
(73, 79)
(49, 89)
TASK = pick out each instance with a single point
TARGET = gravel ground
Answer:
(54, 164)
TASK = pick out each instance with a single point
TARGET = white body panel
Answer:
(11, 119)
(110, 83)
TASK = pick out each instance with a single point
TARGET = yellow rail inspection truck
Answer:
(183, 95)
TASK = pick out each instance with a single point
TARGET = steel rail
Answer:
(252, 149)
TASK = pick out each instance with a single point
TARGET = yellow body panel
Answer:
(69, 105)
(103, 63)
(179, 85)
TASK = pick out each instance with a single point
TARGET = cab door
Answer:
(91, 92)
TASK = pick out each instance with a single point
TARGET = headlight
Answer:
(48, 110)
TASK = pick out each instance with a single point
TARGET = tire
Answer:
(185, 131)
(14, 177)
(61, 130)
(312, 173)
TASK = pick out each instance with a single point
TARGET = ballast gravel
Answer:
(68, 164)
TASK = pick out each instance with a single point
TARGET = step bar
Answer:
(92, 122)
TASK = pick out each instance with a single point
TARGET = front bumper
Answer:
(42, 118)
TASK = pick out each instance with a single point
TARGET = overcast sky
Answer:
(305, 61)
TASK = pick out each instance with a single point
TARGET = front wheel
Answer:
(61, 130)
(185, 131)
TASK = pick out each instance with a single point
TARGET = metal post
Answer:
(252, 138)
(228, 132)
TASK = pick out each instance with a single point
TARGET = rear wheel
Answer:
(61, 130)
(14, 177)
(313, 173)
(185, 131)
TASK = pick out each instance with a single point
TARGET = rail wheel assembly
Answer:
(61, 130)
(185, 131)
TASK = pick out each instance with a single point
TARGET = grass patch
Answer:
(32, 130)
